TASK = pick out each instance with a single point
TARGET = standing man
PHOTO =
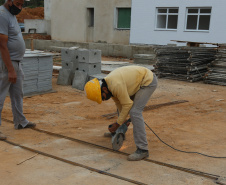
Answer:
(12, 49)
(130, 87)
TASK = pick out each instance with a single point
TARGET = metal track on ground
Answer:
(187, 170)
(75, 164)
(150, 107)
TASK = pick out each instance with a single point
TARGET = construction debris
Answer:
(183, 63)
(217, 70)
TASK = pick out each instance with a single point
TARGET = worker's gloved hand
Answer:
(113, 127)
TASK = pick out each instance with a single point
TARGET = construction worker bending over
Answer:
(130, 87)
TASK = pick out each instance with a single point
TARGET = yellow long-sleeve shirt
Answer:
(123, 83)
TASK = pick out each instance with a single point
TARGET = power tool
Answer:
(119, 136)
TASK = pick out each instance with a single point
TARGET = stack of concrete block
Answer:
(69, 60)
(89, 61)
(78, 65)
(37, 70)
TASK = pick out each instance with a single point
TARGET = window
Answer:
(123, 18)
(167, 18)
(90, 17)
(198, 19)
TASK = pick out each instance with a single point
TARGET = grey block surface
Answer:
(69, 54)
(65, 77)
(90, 69)
(80, 79)
(89, 56)
(70, 65)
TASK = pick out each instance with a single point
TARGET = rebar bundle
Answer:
(217, 70)
(183, 63)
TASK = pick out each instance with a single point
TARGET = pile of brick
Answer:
(78, 66)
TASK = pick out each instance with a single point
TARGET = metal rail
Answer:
(195, 172)
(75, 164)
(150, 107)
(187, 170)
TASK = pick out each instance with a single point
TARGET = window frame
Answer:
(198, 18)
(167, 18)
(117, 16)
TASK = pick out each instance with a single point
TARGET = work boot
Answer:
(2, 136)
(29, 125)
(138, 155)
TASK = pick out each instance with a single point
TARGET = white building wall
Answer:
(144, 18)
(38, 24)
(47, 9)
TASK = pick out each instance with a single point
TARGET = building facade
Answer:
(160, 22)
(101, 21)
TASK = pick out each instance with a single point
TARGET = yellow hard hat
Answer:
(93, 90)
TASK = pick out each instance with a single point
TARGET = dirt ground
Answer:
(198, 125)
(30, 13)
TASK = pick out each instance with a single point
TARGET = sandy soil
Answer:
(198, 125)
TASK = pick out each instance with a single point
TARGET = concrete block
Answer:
(89, 56)
(80, 79)
(90, 69)
(70, 65)
(69, 54)
(65, 77)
